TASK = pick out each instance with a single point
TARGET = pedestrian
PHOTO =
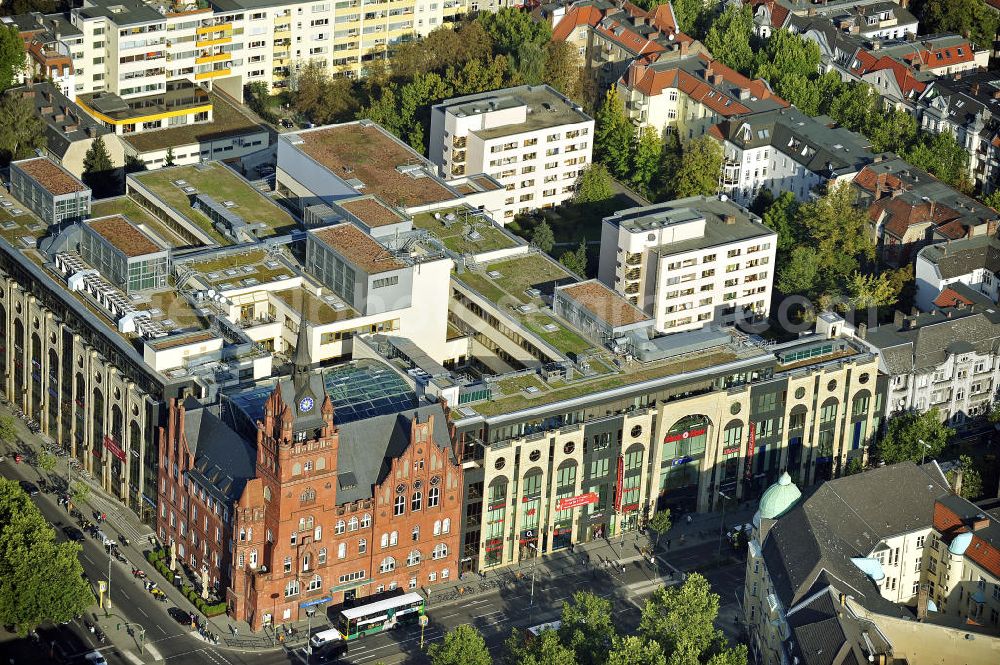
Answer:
(623, 569)
(668, 543)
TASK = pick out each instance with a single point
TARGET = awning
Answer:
(347, 586)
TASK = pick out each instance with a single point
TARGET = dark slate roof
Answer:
(823, 633)
(223, 460)
(811, 546)
(933, 336)
(367, 448)
(65, 122)
(815, 143)
(960, 257)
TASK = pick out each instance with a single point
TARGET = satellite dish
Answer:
(723, 198)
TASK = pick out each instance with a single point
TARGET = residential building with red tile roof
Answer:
(909, 208)
(688, 94)
(611, 35)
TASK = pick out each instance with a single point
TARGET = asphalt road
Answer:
(494, 613)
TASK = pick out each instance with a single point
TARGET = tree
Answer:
(736, 655)
(40, 580)
(634, 650)
(855, 107)
(993, 199)
(904, 433)
(21, 131)
(800, 273)
(7, 431)
(942, 156)
(11, 55)
(839, 232)
(646, 159)
(169, 159)
(595, 186)
(729, 38)
(892, 131)
(322, 98)
(543, 237)
(564, 69)
(700, 165)
(790, 64)
(576, 262)
(613, 135)
(461, 646)
(587, 627)
(972, 480)
(966, 17)
(98, 172)
(509, 27)
(660, 523)
(680, 619)
(779, 217)
(47, 462)
(441, 48)
(546, 649)
(875, 290)
(854, 466)
(79, 492)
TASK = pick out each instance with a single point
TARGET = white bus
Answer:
(380, 615)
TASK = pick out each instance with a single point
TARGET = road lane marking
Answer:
(143, 612)
(132, 657)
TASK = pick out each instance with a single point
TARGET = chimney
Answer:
(933, 206)
(684, 48)
(958, 481)
(708, 72)
(862, 331)
(637, 71)
(980, 521)
(975, 88)
(904, 4)
(730, 219)
(718, 79)
(996, 94)
(897, 318)
(92, 131)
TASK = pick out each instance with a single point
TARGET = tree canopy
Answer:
(543, 237)
(461, 646)
(699, 168)
(730, 39)
(972, 480)
(40, 580)
(904, 433)
(595, 185)
(99, 172)
(509, 28)
(21, 130)
(966, 17)
(587, 626)
(613, 135)
(11, 55)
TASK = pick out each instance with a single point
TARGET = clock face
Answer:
(306, 404)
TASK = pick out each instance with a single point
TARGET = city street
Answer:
(494, 613)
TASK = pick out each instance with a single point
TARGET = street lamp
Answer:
(531, 601)
(722, 523)
(923, 453)
(310, 612)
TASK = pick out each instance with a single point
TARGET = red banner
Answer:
(577, 501)
(683, 435)
(115, 449)
(618, 484)
(730, 450)
(751, 444)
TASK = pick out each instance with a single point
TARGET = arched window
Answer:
(437, 527)
(318, 533)
(243, 534)
(292, 588)
(366, 521)
(321, 560)
(339, 528)
(320, 463)
(414, 558)
(415, 533)
(305, 523)
(417, 500)
(253, 558)
(239, 560)
(352, 524)
(250, 533)
(388, 564)
(342, 551)
(296, 471)
(385, 540)
(433, 497)
(306, 561)
(440, 551)
(362, 546)
(446, 526)
(400, 506)
(308, 495)
(315, 583)
(393, 538)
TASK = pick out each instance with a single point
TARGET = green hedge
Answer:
(158, 560)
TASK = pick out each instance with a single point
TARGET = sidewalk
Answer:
(122, 521)
(703, 528)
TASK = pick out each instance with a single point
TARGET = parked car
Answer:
(73, 533)
(180, 616)
(30, 488)
(95, 658)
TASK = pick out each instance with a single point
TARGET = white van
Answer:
(324, 636)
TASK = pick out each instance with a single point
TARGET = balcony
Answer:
(458, 156)
(633, 259)
(633, 274)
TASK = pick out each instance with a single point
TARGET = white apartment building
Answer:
(532, 139)
(786, 151)
(690, 263)
(972, 262)
(945, 360)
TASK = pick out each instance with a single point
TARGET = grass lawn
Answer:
(531, 271)
(455, 238)
(122, 205)
(221, 184)
(516, 385)
(563, 339)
